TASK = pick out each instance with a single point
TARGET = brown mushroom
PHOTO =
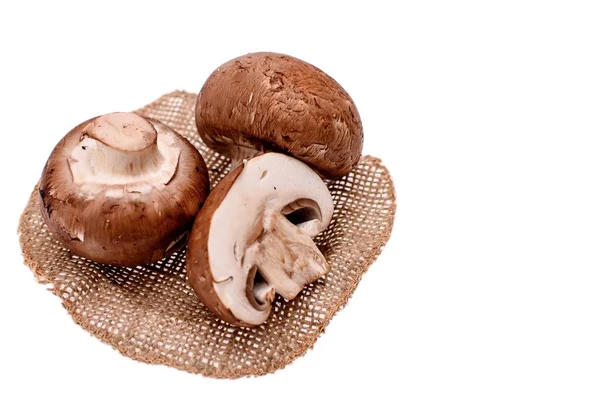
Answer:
(265, 102)
(122, 189)
(253, 238)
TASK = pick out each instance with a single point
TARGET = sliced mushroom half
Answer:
(253, 238)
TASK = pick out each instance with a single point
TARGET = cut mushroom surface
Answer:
(253, 238)
(122, 189)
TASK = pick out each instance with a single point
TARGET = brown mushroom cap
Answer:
(253, 238)
(265, 102)
(122, 189)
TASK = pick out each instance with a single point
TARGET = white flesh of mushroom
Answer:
(266, 222)
(123, 153)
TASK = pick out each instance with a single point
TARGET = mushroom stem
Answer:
(108, 164)
(240, 153)
(119, 149)
(122, 131)
(286, 257)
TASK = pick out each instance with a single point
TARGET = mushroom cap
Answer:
(253, 238)
(275, 102)
(121, 189)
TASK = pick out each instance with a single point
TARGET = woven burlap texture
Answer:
(150, 313)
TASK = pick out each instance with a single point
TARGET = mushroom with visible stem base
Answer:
(122, 189)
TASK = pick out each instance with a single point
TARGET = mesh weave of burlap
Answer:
(150, 313)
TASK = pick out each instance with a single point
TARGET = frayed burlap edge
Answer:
(150, 314)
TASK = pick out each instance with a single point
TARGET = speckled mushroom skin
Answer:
(197, 264)
(274, 102)
(130, 230)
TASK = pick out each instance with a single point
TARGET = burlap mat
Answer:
(151, 314)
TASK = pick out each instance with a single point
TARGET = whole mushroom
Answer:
(265, 102)
(122, 189)
(253, 238)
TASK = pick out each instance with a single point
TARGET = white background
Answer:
(487, 115)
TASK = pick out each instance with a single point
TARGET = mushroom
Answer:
(253, 238)
(122, 189)
(265, 102)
